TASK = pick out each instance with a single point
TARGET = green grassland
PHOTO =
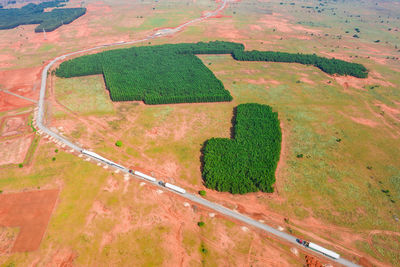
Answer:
(91, 91)
(332, 175)
(384, 247)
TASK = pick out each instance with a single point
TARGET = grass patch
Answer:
(31, 151)
(189, 241)
(86, 96)
(385, 248)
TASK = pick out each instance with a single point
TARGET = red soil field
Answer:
(10, 102)
(14, 125)
(13, 151)
(25, 82)
(31, 212)
(312, 262)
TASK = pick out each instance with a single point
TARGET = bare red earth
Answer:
(13, 125)
(25, 82)
(31, 212)
(312, 262)
(10, 102)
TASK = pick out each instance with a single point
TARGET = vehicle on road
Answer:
(318, 248)
(175, 188)
(100, 158)
(145, 176)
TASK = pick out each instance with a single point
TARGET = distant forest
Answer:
(34, 14)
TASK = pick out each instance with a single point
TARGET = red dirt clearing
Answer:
(13, 151)
(31, 212)
(24, 82)
(14, 125)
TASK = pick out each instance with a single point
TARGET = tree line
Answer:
(248, 162)
(34, 14)
(328, 65)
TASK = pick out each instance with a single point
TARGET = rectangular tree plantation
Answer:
(155, 74)
(248, 162)
(171, 73)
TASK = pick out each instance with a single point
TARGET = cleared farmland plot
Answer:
(86, 96)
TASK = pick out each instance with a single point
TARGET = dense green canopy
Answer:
(328, 65)
(248, 162)
(171, 73)
(155, 74)
(34, 14)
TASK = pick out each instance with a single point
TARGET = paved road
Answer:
(194, 198)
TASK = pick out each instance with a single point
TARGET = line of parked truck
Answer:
(180, 190)
(137, 173)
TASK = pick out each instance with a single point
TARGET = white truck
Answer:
(144, 176)
(173, 187)
(98, 157)
(319, 249)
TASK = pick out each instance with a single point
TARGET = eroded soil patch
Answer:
(13, 126)
(13, 151)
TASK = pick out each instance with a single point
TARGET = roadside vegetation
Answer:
(248, 162)
(34, 14)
